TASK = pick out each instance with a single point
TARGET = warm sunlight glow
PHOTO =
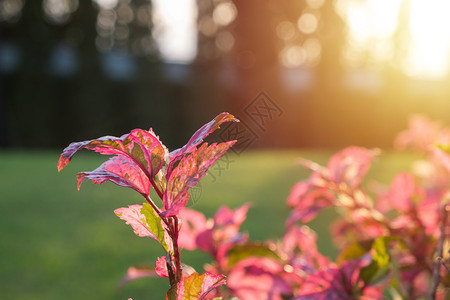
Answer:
(430, 39)
(175, 29)
(373, 25)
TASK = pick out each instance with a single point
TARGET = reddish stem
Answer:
(176, 250)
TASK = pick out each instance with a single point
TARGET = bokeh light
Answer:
(225, 40)
(59, 11)
(374, 26)
(293, 56)
(224, 13)
(10, 10)
(307, 23)
(175, 29)
(286, 30)
(315, 4)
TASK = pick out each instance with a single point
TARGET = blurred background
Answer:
(312, 73)
(300, 74)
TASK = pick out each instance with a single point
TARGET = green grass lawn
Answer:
(60, 243)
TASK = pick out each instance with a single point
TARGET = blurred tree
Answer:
(67, 67)
(290, 49)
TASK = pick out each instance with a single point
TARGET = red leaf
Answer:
(223, 233)
(258, 278)
(403, 190)
(161, 267)
(192, 223)
(197, 138)
(139, 146)
(188, 173)
(304, 239)
(350, 165)
(225, 216)
(309, 200)
(120, 171)
(136, 272)
(338, 283)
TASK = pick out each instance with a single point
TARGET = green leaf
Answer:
(240, 252)
(197, 287)
(379, 268)
(354, 251)
(373, 274)
(380, 255)
(154, 222)
(193, 286)
(172, 293)
(444, 147)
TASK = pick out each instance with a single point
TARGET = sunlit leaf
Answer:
(354, 251)
(350, 165)
(136, 272)
(379, 268)
(188, 173)
(308, 201)
(442, 153)
(198, 137)
(161, 267)
(120, 171)
(403, 191)
(144, 223)
(197, 287)
(192, 223)
(340, 282)
(155, 224)
(139, 146)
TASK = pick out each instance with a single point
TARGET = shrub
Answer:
(394, 241)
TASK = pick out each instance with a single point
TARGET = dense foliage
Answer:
(393, 240)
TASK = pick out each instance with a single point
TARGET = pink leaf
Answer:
(145, 223)
(120, 171)
(136, 272)
(161, 267)
(442, 156)
(298, 191)
(303, 239)
(198, 137)
(350, 165)
(226, 216)
(133, 216)
(188, 173)
(420, 134)
(197, 287)
(224, 232)
(192, 223)
(258, 278)
(139, 146)
(309, 200)
(338, 283)
(403, 190)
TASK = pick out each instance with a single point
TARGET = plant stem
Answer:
(437, 264)
(176, 250)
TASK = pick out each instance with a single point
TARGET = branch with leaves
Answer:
(141, 162)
